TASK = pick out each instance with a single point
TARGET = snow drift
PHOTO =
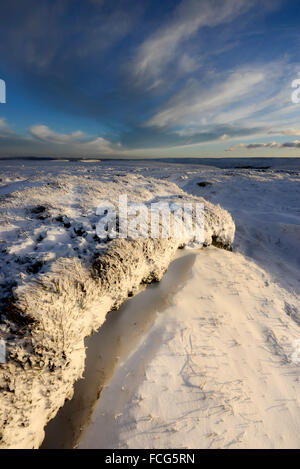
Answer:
(52, 306)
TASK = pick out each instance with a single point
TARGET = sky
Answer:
(147, 78)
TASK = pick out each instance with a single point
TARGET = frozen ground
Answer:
(213, 371)
(218, 367)
(58, 281)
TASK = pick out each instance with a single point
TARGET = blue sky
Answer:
(146, 78)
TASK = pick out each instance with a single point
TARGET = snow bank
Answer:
(58, 283)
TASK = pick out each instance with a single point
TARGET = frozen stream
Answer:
(118, 336)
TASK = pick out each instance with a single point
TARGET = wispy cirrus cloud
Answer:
(150, 75)
(239, 102)
(158, 50)
(199, 105)
(295, 132)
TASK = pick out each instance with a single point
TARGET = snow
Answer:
(213, 371)
(219, 368)
(216, 366)
(58, 281)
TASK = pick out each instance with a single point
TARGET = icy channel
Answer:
(110, 346)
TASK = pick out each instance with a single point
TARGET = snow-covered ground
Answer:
(58, 280)
(213, 371)
(218, 366)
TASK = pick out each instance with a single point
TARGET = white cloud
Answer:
(257, 97)
(42, 141)
(42, 132)
(289, 132)
(102, 145)
(156, 52)
(4, 127)
(195, 106)
(187, 64)
(224, 137)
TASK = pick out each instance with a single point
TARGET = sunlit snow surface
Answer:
(219, 366)
(52, 215)
(58, 280)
